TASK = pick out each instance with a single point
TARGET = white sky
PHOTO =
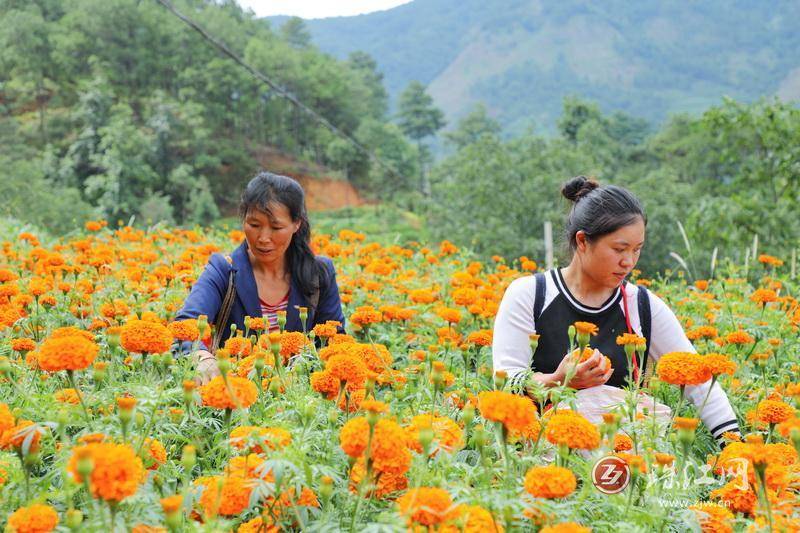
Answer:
(318, 8)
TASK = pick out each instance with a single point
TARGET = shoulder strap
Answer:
(221, 321)
(645, 321)
(539, 295)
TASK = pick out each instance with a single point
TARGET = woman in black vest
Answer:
(605, 229)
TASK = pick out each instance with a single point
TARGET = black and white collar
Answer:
(562, 288)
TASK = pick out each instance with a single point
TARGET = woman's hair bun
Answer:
(578, 187)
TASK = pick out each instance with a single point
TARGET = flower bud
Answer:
(74, 519)
(188, 457)
(468, 414)
(500, 378)
(325, 488)
(281, 320)
(5, 366)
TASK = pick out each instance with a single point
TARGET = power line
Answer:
(222, 47)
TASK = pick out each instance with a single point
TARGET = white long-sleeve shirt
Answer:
(514, 323)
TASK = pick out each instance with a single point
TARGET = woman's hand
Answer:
(207, 368)
(589, 373)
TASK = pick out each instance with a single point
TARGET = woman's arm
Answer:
(206, 295)
(513, 325)
(668, 336)
(330, 302)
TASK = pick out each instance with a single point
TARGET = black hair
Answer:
(598, 210)
(265, 188)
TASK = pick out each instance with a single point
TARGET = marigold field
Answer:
(398, 425)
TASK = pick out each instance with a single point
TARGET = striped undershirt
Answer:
(270, 311)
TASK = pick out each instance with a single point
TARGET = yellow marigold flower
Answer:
(682, 368)
(586, 328)
(67, 353)
(116, 474)
(550, 482)
(426, 506)
(573, 430)
(774, 411)
(215, 393)
(145, 337)
(516, 413)
(36, 518)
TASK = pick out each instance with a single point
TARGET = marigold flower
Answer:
(739, 337)
(774, 411)
(66, 353)
(664, 459)
(734, 498)
(171, 504)
(702, 332)
(550, 482)
(770, 260)
(292, 342)
(226, 496)
(426, 506)
(586, 328)
(516, 413)
(328, 329)
(572, 430)
(366, 315)
(482, 337)
(215, 393)
(238, 346)
(145, 337)
(630, 339)
(387, 483)
(565, 527)
(764, 296)
(23, 345)
(385, 453)
(374, 406)
(719, 364)
(36, 518)
(446, 433)
(116, 474)
(686, 423)
(6, 418)
(69, 396)
(155, 454)
(682, 368)
(449, 315)
(15, 436)
(347, 367)
(622, 442)
(271, 438)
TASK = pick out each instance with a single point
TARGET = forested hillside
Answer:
(522, 57)
(116, 108)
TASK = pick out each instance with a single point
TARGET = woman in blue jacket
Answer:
(273, 270)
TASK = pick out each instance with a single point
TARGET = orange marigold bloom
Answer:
(347, 367)
(422, 296)
(36, 518)
(784, 428)
(482, 337)
(387, 483)
(171, 504)
(701, 284)
(449, 315)
(238, 346)
(365, 315)
(185, 330)
(144, 336)
(736, 499)
(713, 518)
(622, 442)
(769, 260)
(154, 454)
(550, 482)
(71, 331)
(739, 337)
(586, 328)
(472, 519)
(774, 411)
(374, 406)
(446, 433)
(764, 296)
(328, 329)
(292, 342)
(23, 345)
(686, 423)
(702, 332)
(664, 459)
(70, 396)
(259, 439)
(325, 383)
(565, 527)
(682, 368)
(630, 339)
(66, 353)
(516, 413)
(573, 430)
(15, 436)
(215, 393)
(385, 453)
(719, 364)
(6, 418)
(427, 506)
(226, 496)
(116, 474)
(353, 436)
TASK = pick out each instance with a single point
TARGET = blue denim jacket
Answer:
(208, 291)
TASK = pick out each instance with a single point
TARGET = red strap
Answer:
(630, 330)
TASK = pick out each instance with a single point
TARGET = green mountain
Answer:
(521, 57)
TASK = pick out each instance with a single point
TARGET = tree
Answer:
(472, 127)
(576, 113)
(295, 32)
(366, 68)
(419, 118)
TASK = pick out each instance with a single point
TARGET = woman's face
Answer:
(269, 235)
(609, 259)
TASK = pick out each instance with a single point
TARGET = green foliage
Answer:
(123, 104)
